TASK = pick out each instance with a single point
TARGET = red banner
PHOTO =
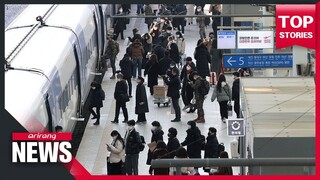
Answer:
(45, 136)
(296, 25)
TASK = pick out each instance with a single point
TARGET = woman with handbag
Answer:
(115, 161)
(152, 70)
(121, 96)
(223, 94)
(141, 100)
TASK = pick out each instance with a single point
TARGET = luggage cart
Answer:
(164, 101)
(160, 95)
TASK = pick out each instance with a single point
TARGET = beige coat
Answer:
(181, 45)
(117, 152)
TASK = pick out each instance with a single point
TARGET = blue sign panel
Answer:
(257, 60)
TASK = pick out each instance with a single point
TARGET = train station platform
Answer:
(92, 151)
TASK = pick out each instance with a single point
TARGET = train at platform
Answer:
(52, 54)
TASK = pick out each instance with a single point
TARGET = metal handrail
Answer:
(212, 162)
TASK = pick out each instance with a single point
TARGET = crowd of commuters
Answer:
(161, 53)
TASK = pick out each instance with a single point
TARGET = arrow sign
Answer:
(261, 60)
(230, 61)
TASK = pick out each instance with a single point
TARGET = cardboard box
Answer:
(160, 92)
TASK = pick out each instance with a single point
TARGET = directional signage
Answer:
(226, 39)
(257, 60)
(236, 127)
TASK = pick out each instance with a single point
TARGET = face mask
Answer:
(120, 10)
(189, 126)
(93, 88)
(188, 68)
(114, 137)
(171, 66)
(198, 10)
(178, 35)
(155, 28)
(209, 133)
(169, 32)
(153, 128)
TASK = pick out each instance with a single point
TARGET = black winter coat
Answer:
(126, 67)
(121, 88)
(211, 147)
(184, 73)
(152, 70)
(172, 146)
(119, 24)
(164, 64)
(97, 96)
(160, 154)
(133, 142)
(235, 90)
(174, 86)
(202, 57)
(159, 51)
(193, 142)
(157, 135)
(141, 96)
(174, 53)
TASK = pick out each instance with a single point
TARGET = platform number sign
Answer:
(236, 127)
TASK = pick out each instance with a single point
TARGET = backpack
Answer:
(220, 148)
(143, 142)
(204, 87)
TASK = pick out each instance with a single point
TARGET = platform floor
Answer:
(92, 152)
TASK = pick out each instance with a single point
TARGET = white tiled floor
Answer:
(92, 151)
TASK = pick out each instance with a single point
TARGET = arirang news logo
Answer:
(41, 147)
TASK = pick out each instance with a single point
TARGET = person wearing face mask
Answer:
(155, 33)
(132, 142)
(164, 63)
(236, 93)
(216, 54)
(201, 21)
(141, 101)
(152, 70)
(174, 51)
(173, 142)
(211, 146)
(193, 142)
(116, 159)
(199, 97)
(120, 93)
(187, 90)
(157, 135)
(174, 86)
(180, 43)
(97, 96)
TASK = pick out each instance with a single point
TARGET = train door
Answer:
(102, 28)
(78, 83)
(96, 33)
(48, 109)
